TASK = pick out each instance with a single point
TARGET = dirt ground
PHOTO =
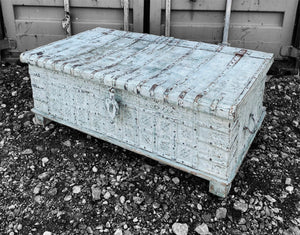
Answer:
(56, 180)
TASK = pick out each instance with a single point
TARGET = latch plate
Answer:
(290, 51)
(7, 43)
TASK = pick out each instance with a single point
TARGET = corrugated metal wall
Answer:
(264, 25)
(296, 36)
(36, 22)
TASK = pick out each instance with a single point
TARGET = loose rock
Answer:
(176, 180)
(107, 195)
(96, 192)
(53, 192)
(270, 199)
(19, 227)
(118, 232)
(242, 221)
(76, 189)
(290, 189)
(27, 152)
(43, 176)
(67, 143)
(138, 200)
(180, 229)
(44, 161)
(122, 199)
(89, 230)
(37, 189)
(221, 213)
(240, 206)
(39, 199)
(202, 229)
(288, 181)
(67, 198)
(95, 169)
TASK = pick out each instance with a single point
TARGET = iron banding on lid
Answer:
(167, 68)
(237, 57)
(159, 48)
(188, 78)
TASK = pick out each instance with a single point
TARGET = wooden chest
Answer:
(192, 105)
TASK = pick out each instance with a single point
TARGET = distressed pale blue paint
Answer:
(180, 102)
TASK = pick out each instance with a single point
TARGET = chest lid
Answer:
(196, 75)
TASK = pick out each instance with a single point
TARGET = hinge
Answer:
(7, 43)
(290, 51)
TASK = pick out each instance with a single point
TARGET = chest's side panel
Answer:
(250, 115)
(195, 139)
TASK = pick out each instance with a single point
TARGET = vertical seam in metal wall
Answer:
(146, 16)
(126, 14)
(1, 24)
(227, 22)
(168, 18)
(296, 33)
(66, 22)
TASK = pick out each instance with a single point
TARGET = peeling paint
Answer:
(134, 95)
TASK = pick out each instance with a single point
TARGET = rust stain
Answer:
(67, 62)
(169, 66)
(220, 48)
(232, 111)
(198, 97)
(76, 65)
(237, 57)
(167, 92)
(241, 53)
(152, 59)
(55, 61)
(152, 89)
(182, 95)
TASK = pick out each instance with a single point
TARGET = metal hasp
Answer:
(191, 105)
(112, 105)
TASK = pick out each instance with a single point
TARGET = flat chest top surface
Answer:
(185, 73)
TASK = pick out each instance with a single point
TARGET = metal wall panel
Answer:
(1, 30)
(32, 23)
(296, 36)
(264, 25)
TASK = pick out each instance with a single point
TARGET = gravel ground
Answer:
(56, 180)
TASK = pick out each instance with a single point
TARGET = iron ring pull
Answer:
(112, 105)
(251, 117)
